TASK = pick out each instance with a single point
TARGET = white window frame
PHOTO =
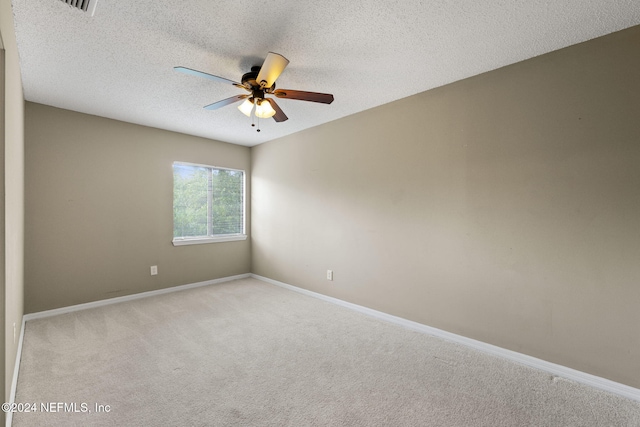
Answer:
(198, 240)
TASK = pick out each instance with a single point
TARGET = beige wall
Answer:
(99, 197)
(3, 375)
(13, 198)
(505, 207)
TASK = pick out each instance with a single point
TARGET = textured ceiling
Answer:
(119, 63)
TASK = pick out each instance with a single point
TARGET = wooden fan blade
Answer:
(273, 65)
(324, 98)
(225, 102)
(280, 116)
(208, 76)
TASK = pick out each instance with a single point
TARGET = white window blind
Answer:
(208, 202)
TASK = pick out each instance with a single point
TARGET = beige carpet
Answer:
(247, 353)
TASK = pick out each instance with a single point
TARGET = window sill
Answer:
(202, 240)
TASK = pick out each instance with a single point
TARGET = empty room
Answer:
(300, 213)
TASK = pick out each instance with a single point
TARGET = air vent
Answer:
(83, 5)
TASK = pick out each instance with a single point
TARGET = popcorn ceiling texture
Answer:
(119, 63)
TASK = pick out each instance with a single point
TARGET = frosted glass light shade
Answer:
(246, 107)
(264, 110)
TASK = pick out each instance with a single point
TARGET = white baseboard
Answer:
(85, 306)
(14, 380)
(552, 368)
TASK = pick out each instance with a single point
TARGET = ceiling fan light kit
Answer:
(264, 109)
(246, 107)
(259, 82)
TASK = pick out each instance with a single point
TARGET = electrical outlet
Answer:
(154, 270)
(329, 274)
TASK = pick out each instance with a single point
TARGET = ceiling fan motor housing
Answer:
(250, 79)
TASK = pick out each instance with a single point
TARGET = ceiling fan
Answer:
(259, 82)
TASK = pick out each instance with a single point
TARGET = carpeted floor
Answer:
(247, 353)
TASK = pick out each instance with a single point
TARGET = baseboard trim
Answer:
(533, 362)
(552, 368)
(93, 304)
(16, 370)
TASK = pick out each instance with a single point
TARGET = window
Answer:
(208, 204)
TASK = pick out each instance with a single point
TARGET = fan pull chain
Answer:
(253, 124)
